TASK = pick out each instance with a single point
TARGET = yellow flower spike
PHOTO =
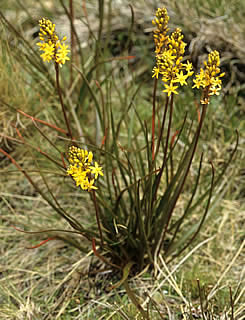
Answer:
(81, 168)
(209, 77)
(170, 51)
(49, 39)
(169, 54)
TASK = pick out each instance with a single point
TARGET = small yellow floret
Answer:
(96, 170)
(181, 78)
(170, 89)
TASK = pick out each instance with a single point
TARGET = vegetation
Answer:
(122, 196)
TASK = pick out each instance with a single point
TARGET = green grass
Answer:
(56, 281)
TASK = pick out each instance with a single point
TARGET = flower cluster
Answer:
(169, 55)
(160, 33)
(82, 169)
(53, 48)
(209, 77)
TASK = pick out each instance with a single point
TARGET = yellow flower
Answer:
(89, 185)
(96, 170)
(155, 72)
(197, 83)
(205, 101)
(170, 89)
(188, 66)
(181, 78)
(200, 80)
(48, 49)
(61, 56)
(214, 90)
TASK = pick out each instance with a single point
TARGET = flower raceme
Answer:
(169, 54)
(82, 168)
(169, 66)
(53, 48)
(209, 77)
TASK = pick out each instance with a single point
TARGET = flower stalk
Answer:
(98, 217)
(61, 100)
(57, 51)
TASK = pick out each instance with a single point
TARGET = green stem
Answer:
(76, 40)
(196, 138)
(98, 217)
(200, 296)
(61, 99)
(72, 40)
(135, 300)
(166, 143)
(162, 126)
(153, 120)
